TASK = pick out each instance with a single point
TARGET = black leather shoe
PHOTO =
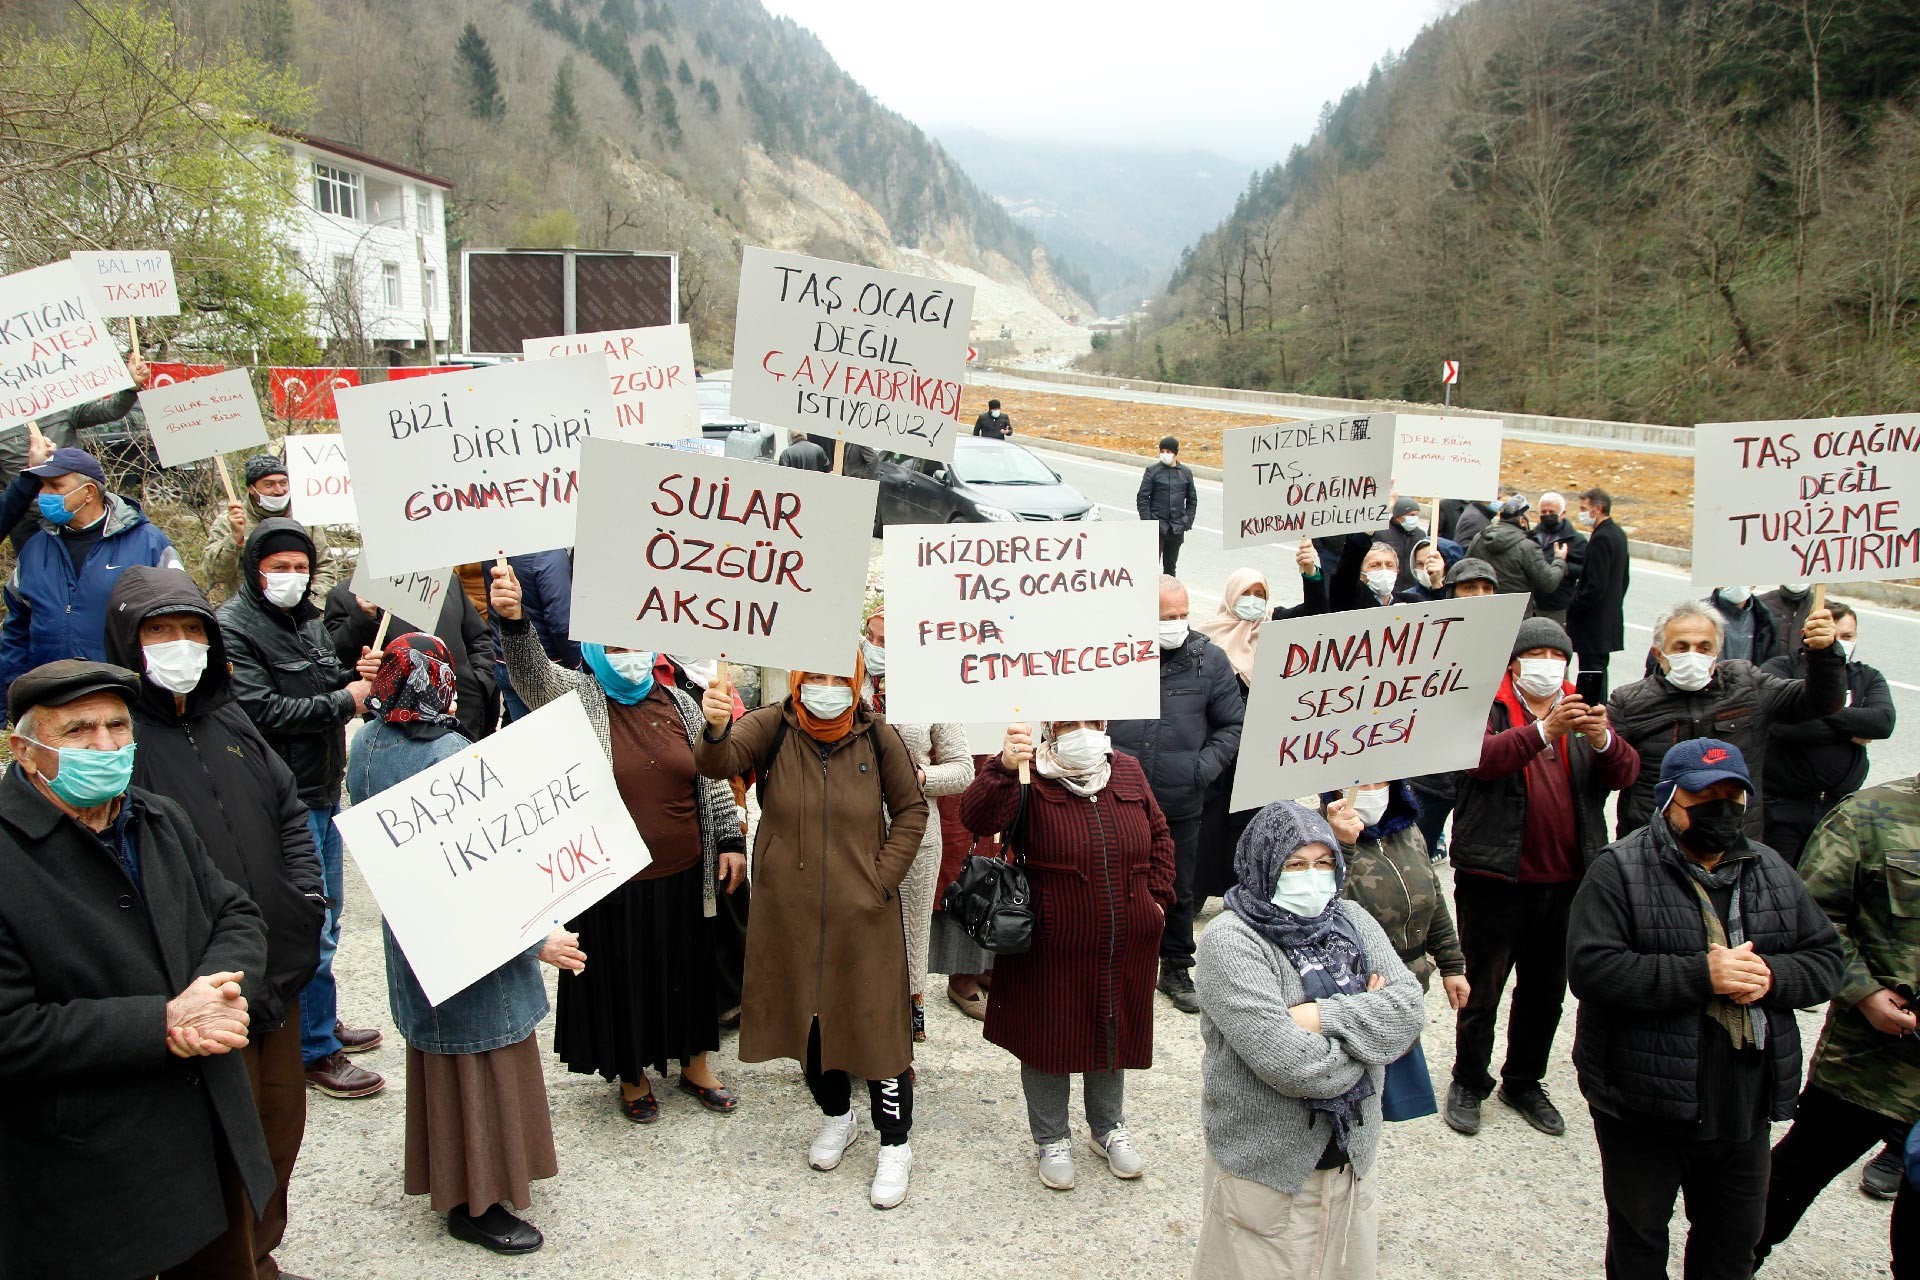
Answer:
(1532, 1102)
(1177, 986)
(496, 1229)
(1881, 1177)
(1463, 1109)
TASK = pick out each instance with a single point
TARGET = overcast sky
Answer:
(1242, 77)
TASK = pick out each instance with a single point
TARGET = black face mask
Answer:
(1714, 826)
(1549, 522)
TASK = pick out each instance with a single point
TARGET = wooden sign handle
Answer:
(839, 457)
(133, 336)
(1819, 595)
(1026, 773)
(380, 636)
(226, 481)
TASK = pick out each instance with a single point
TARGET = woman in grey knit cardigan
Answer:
(1303, 1002)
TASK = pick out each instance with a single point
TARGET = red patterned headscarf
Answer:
(414, 690)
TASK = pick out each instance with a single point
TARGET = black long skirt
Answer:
(649, 991)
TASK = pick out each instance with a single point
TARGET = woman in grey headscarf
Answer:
(1303, 1003)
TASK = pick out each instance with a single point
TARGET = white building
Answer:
(371, 242)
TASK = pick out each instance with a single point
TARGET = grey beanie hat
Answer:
(1471, 569)
(1270, 839)
(1541, 633)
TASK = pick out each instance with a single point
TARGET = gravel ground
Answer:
(699, 1194)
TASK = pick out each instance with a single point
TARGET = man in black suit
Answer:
(1596, 617)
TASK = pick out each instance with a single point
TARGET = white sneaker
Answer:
(837, 1133)
(1118, 1149)
(890, 1176)
(1056, 1165)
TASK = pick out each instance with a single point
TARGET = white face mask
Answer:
(1846, 648)
(828, 701)
(1412, 525)
(1736, 596)
(699, 670)
(1381, 581)
(635, 666)
(876, 657)
(1795, 589)
(1081, 750)
(1371, 806)
(1689, 671)
(176, 665)
(1250, 608)
(1305, 893)
(1541, 677)
(1585, 517)
(1173, 632)
(273, 501)
(1168, 459)
(285, 589)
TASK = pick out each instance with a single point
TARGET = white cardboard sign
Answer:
(414, 597)
(1822, 500)
(471, 464)
(204, 417)
(135, 282)
(54, 348)
(1022, 622)
(481, 856)
(651, 372)
(1371, 695)
(871, 357)
(319, 481)
(1295, 480)
(683, 553)
(1446, 457)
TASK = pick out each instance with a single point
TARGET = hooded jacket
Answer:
(286, 676)
(1517, 559)
(239, 795)
(220, 562)
(54, 612)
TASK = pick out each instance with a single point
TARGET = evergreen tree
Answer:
(272, 23)
(669, 114)
(563, 115)
(620, 13)
(484, 99)
(654, 63)
(710, 94)
(683, 73)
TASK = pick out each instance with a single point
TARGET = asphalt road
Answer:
(1889, 638)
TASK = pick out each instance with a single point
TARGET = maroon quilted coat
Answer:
(1102, 875)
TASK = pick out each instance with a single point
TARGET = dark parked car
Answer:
(987, 480)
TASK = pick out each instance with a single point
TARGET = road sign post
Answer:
(1449, 374)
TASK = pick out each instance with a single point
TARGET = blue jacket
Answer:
(53, 612)
(500, 1009)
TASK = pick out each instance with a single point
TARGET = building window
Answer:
(423, 207)
(390, 283)
(336, 191)
(430, 289)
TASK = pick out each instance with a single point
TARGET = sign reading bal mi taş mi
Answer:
(1296, 480)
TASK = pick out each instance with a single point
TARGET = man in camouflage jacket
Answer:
(1862, 865)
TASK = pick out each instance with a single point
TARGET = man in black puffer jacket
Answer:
(199, 750)
(1182, 752)
(1168, 497)
(1689, 947)
(292, 686)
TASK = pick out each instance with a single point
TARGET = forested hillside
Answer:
(693, 125)
(1669, 210)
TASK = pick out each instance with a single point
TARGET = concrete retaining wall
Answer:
(1596, 429)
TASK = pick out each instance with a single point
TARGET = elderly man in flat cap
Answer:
(130, 1137)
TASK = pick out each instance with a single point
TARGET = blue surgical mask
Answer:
(1250, 608)
(89, 778)
(1305, 893)
(53, 509)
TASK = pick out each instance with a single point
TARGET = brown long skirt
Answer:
(479, 1130)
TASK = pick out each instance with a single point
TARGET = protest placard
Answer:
(137, 282)
(1022, 622)
(318, 480)
(470, 466)
(866, 356)
(1822, 500)
(415, 597)
(203, 417)
(1372, 695)
(683, 553)
(651, 373)
(1446, 457)
(54, 349)
(476, 859)
(1294, 480)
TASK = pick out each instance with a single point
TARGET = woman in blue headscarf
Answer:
(1303, 1003)
(650, 994)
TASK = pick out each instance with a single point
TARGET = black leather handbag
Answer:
(991, 898)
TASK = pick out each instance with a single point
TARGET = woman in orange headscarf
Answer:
(841, 816)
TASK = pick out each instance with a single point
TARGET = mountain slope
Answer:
(1121, 214)
(1674, 210)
